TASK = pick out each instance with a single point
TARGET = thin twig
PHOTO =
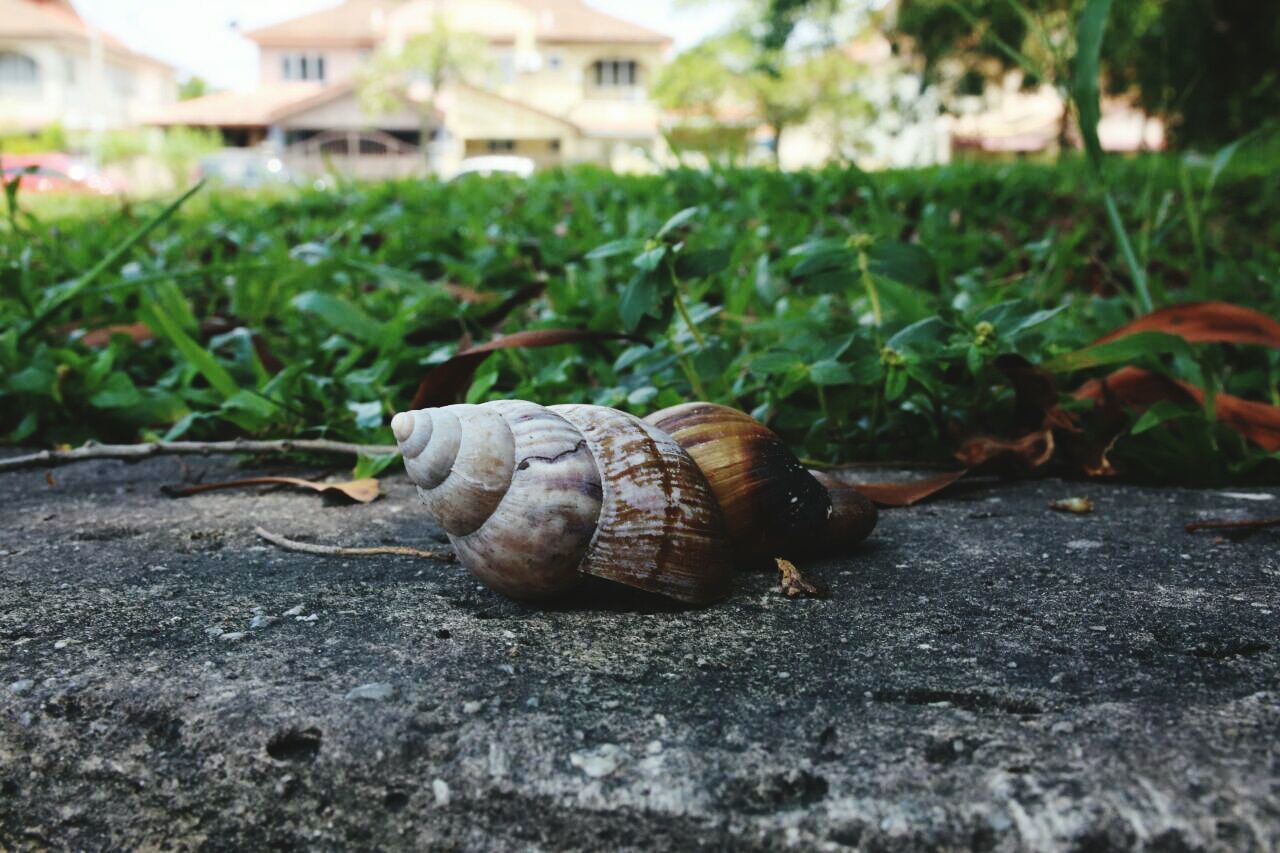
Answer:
(1249, 524)
(341, 551)
(135, 452)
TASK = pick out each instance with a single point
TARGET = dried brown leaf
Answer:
(1133, 386)
(1206, 322)
(359, 491)
(895, 494)
(444, 382)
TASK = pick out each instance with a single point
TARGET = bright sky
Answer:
(197, 35)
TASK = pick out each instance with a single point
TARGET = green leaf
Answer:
(625, 246)
(776, 362)
(904, 262)
(486, 377)
(649, 260)
(642, 396)
(36, 379)
(702, 263)
(895, 383)
(1086, 73)
(1162, 412)
(24, 430)
(638, 299)
(830, 372)
(118, 392)
(676, 221)
(372, 466)
(369, 415)
(825, 261)
(342, 316)
(922, 336)
(252, 403)
(1124, 349)
(197, 356)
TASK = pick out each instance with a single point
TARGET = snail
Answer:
(535, 499)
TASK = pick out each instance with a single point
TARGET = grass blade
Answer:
(197, 356)
(108, 261)
(1086, 73)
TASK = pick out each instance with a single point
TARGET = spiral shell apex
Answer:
(535, 498)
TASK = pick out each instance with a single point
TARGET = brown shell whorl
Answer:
(660, 527)
(771, 503)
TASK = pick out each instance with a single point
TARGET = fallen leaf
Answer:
(470, 295)
(1133, 386)
(360, 491)
(489, 317)
(1031, 450)
(794, 583)
(896, 494)
(1206, 322)
(1079, 506)
(100, 337)
(444, 382)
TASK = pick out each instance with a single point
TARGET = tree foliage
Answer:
(413, 75)
(1210, 66)
(779, 88)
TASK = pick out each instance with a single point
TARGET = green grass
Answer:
(860, 315)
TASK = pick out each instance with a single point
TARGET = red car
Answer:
(55, 173)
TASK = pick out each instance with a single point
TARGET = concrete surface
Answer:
(988, 674)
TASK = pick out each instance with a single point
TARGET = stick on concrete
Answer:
(137, 452)
(341, 551)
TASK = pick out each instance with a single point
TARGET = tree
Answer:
(780, 88)
(415, 74)
(1210, 67)
(989, 38)
(193, 87)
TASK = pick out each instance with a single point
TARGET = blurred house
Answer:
(56, 69)
(569, 84)
(902, 126)
(1007, 119)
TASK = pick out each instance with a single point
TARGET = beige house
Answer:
(55, 68)
(568, 84)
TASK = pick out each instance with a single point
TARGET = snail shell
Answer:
(772, 504)
(535, 498)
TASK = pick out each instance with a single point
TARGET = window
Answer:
(501, 146)
(18, 71)
(122, 81)
(302, 66)
(616, 73)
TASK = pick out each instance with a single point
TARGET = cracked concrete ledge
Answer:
(988, 674)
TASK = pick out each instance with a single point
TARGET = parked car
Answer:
(247, 168)
(496, 164)
(57, 172)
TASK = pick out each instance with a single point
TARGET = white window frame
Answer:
(303, 67)
(19, 72)
(615, 73)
